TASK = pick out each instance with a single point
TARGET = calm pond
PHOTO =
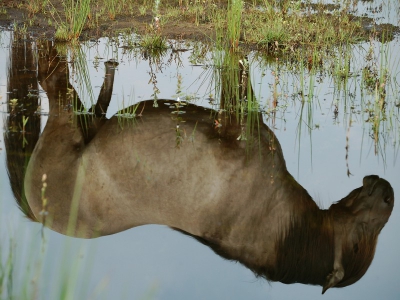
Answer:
(335, 124)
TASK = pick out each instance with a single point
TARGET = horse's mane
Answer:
(305, 254)
(356, 261)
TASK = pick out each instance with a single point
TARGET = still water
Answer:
(308, 111)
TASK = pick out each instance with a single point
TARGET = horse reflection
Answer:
(232, 194)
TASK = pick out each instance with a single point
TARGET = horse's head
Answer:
(370, 205)
(358, 219)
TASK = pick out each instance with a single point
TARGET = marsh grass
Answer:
(76, 13)
(35, 6)
(6, 271)
(253, 116)
(154, 43)
(380, 104)
(154, 57)
(127, 110)
(355, 83)
(341, 67)
(80, 75)
(280, 26)
(33, 268)
(111, 7)
(271, 28)
(238, 107)
(20, 29)
(196, 12)
(234, 18)
(272, 25)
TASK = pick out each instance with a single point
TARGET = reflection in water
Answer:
(219, 182)
(23, 124)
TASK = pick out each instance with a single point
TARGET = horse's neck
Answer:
(253, 234)
(312, 237)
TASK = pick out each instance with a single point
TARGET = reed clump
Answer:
(154, 42)
(73, 20)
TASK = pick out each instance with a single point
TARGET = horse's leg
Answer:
(89, 124)
(54, 77)
(104, 99)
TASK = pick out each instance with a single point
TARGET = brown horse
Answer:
(218, 182)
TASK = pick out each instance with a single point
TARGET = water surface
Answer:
(311, 121)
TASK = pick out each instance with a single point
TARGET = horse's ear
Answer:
(332, 279)
(369, 183)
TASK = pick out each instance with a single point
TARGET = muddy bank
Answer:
(39, 23)
(14, 14)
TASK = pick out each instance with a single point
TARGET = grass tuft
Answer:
(76, 14)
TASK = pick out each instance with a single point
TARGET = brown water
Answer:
(311, 121)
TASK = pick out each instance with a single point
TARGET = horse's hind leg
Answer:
(104, 99)
(91, 125)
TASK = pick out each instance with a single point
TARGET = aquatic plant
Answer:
(76, 13)
(80, 75)
(126, 113)
(234, 17)
(34, 6)
(154, 42)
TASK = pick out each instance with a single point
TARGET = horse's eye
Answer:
(387, 200)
